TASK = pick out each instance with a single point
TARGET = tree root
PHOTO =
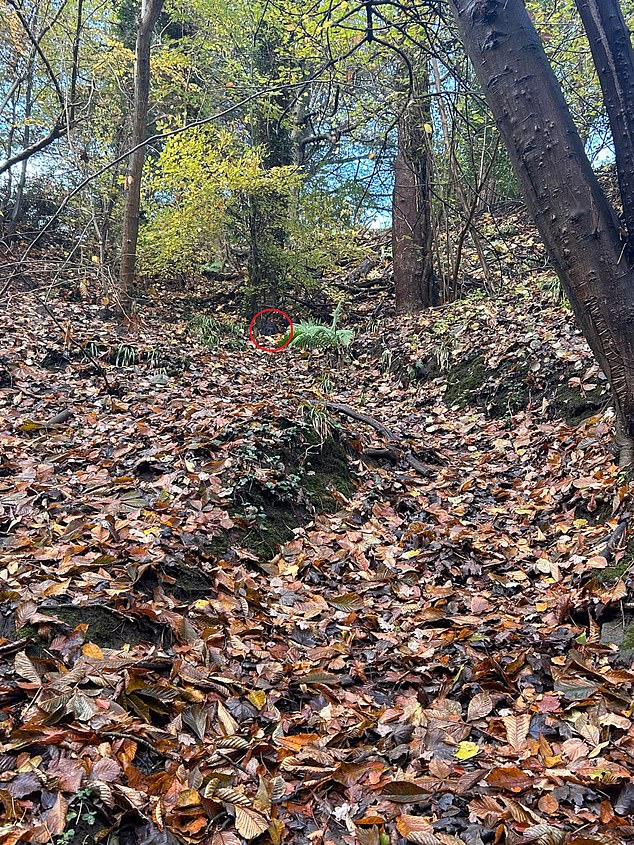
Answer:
(397, 446)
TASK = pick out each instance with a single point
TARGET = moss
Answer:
(611, 574)
(628, 639)
(105, 628)
(266, 516)
(26, 632)
(512, 386)
(573, 406)
(272, 528)
(327, 468)
(464, 380)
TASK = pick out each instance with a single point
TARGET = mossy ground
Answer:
(105, 627)
(512, 386)
(267, 516)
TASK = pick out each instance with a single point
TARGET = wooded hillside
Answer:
(316, 423)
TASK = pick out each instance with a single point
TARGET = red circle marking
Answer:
(266, 348)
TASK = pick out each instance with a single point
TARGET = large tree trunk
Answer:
(613, 57)
(412, 222)
(577, 223)
(150, 10)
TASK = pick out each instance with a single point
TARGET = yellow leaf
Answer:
(92, 650)
(429, 128)
(257, 697)
(467, 750)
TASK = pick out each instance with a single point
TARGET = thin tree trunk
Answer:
(16, 211)
(577, 223)
(613, 57)
(412, 223)
(150, 10)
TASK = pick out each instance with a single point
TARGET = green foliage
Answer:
(310, 335)
(554, 289)
(313, 335)
(217, 331)
(81, 814)
(126, 356)
(319, 419)
(199, 195)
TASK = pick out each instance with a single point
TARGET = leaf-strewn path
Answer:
(422, 661)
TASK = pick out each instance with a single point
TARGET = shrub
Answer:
(313, 335)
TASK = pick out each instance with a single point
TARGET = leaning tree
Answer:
(590, 250)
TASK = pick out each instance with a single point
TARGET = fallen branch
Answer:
(389, 435)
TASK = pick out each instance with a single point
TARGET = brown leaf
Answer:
(25, 669)
(416, 829)
(479, 706)
(517, 730)
(510, 778)
(56, 817)
(403, 791)
(250, 823)
(224, 837)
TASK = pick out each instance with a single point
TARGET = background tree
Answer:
(412, 220)
(148, 16)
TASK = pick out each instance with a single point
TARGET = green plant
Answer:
(313, 335)
(553, 288)
(81, 812)
(319, 419)
(126, 356)
(216, 331)
(326, 382)
(93, 349)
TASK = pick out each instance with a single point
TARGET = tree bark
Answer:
(579, 227)
(412, 223)
(150, 10)
(613, 58)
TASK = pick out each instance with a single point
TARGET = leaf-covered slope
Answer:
(420, 660)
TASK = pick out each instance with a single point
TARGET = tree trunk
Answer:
(412, 225)
(18, 202)
(150, 10)
(269, 215)
(577, 223)
(613, 57)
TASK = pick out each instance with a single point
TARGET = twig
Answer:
(144, 742)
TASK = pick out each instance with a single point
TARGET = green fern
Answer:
(313, 335)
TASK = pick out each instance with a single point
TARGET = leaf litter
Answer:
(422, 661)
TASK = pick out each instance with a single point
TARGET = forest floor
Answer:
(232, 610)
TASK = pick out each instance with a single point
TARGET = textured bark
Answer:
(150, 10)
(613, 57)
(412, 224)
(577, 223)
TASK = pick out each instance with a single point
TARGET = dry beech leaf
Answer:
(479, 706)
(25, 669)
(509, 778)
(403, 791)
(250, 823)
(92, 650)
(517, 728)
(225, 837)
(416, 829)
(56, 816)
